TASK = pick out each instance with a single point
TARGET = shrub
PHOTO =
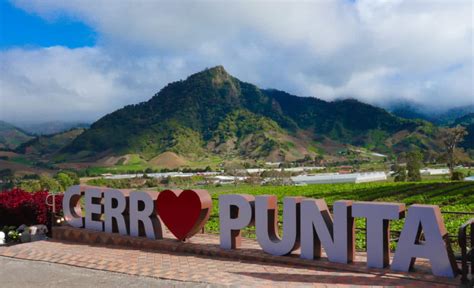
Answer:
(30, 185)
(20, 207)
(457, 176)
(65, 181)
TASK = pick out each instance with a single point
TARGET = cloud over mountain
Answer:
(376, 51)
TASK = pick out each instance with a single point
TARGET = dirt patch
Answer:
(168, 160)
(117, 160)
(397, 137)
(275, 156)
(113, 160)
(332, 147)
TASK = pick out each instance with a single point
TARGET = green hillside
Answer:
(212, 113)
(48, 144)
(11, 136)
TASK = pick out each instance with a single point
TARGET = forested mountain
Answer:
(445, 118)
(213, 113)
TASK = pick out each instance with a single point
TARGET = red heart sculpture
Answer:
(184, 212)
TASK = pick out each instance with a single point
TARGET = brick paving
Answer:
(225, 269)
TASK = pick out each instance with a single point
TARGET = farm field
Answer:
(450, 196)
(138, 165)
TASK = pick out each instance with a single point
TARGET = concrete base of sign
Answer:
(208, 245)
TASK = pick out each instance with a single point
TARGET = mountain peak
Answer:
(217, 72)
(219, 69)
(217, 77)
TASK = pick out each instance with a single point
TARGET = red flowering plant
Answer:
(20, 207)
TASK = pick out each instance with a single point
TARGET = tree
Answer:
(414, 165)
(73, 175)
(451, 138)
(64, 180)
(50, 184)
(400, 173)
(149, 170)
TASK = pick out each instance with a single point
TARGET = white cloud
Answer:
(80, 84)
(376, 51)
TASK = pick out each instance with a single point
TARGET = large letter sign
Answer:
(318, 229)
(115, 211)
(143, 220)
(135, 213)
(307, 223)
(235, 213)
(426, 218)
(184, 212)
(72, 208)
(266, 222)
(378, 229)
(94, 209)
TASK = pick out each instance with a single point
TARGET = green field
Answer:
(450, 196)
(138, 165)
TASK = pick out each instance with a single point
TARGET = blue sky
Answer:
(19, 28)
(79, 60)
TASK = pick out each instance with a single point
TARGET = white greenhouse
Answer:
(328, 178)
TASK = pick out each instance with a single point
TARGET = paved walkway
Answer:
(51, 275)
(201, 269)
